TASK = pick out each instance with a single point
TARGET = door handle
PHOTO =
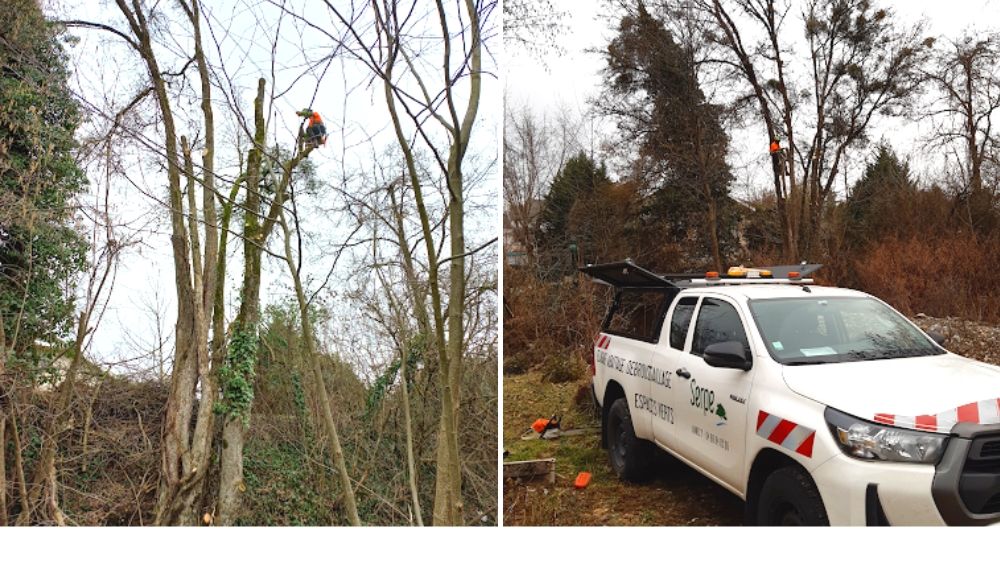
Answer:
(683, 373)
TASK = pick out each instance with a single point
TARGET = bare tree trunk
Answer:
(442, 110)
(713, 227)
(3, 427)
(408, 426)
(44, 479)
(326, 409)
(239, 378)
(418, 293)
(22, 485)
(239, 401)
(184, 457)
(3, 457)
(182, 460)
(734, 42)
(441, 514)
(88, 418)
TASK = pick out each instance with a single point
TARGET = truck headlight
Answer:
(871, 441)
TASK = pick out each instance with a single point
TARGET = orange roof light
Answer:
(712, 275)
(794, 275)
(736, 271)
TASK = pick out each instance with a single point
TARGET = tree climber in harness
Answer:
(778, 157)
(316, 131)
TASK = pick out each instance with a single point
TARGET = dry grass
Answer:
(678, 496)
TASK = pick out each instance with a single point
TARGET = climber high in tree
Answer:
(316, 131)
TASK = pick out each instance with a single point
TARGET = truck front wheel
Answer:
(790, 498)
(630, 456)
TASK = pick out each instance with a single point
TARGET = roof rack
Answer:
(627, 275)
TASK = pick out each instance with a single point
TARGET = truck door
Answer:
(669, 353)
(625, 348)
(710, 411)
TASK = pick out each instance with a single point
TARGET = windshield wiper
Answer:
(810, 362)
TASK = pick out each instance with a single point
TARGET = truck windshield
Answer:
(808, 331)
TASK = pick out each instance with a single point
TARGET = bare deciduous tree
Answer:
(966, 79)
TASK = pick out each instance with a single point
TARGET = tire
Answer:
(630, 457)
(790, 498)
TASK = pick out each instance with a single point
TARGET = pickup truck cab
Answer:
(816, 405)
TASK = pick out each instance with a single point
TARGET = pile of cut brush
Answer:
(972, 339)
(108, 456)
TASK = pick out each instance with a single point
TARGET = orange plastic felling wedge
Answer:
(582, 480)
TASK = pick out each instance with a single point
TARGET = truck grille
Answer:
(990, 449)
(993, 505)
(979, 485)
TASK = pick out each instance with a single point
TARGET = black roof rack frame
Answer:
(627, 275)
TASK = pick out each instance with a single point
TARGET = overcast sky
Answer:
(554, 82)
(357, 121)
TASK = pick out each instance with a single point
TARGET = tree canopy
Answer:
(41, 253)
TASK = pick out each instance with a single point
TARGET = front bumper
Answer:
(902, 490)
(966, 486)
(857, 492)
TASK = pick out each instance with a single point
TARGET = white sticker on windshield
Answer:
(813, 351)
(777, 346)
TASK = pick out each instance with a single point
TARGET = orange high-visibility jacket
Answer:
(315, 119)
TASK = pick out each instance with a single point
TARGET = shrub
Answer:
(562, 368)
(941, 276)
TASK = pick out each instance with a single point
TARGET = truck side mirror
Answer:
(936, 336)
(728, 355)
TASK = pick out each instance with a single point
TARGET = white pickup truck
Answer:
(816, 405)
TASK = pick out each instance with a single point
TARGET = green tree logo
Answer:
(721, 412)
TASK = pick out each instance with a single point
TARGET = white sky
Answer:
(570, 80)
(358, 127)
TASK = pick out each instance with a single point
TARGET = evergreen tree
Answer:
(654, 94)
(580, 176)
(40, 252)
(877, 200)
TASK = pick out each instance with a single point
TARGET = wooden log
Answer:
(529, 470)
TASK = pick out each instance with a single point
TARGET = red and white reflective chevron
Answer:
(983, 412)
(602, 341)
(787, 434)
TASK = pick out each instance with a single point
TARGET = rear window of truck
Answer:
(638, 314)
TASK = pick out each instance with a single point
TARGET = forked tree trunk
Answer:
(183, 460)
(184, 456)
(237, 415)
(255, 236)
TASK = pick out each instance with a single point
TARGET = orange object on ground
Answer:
(540, 425)
(582, 480)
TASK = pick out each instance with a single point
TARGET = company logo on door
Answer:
(704, 399)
